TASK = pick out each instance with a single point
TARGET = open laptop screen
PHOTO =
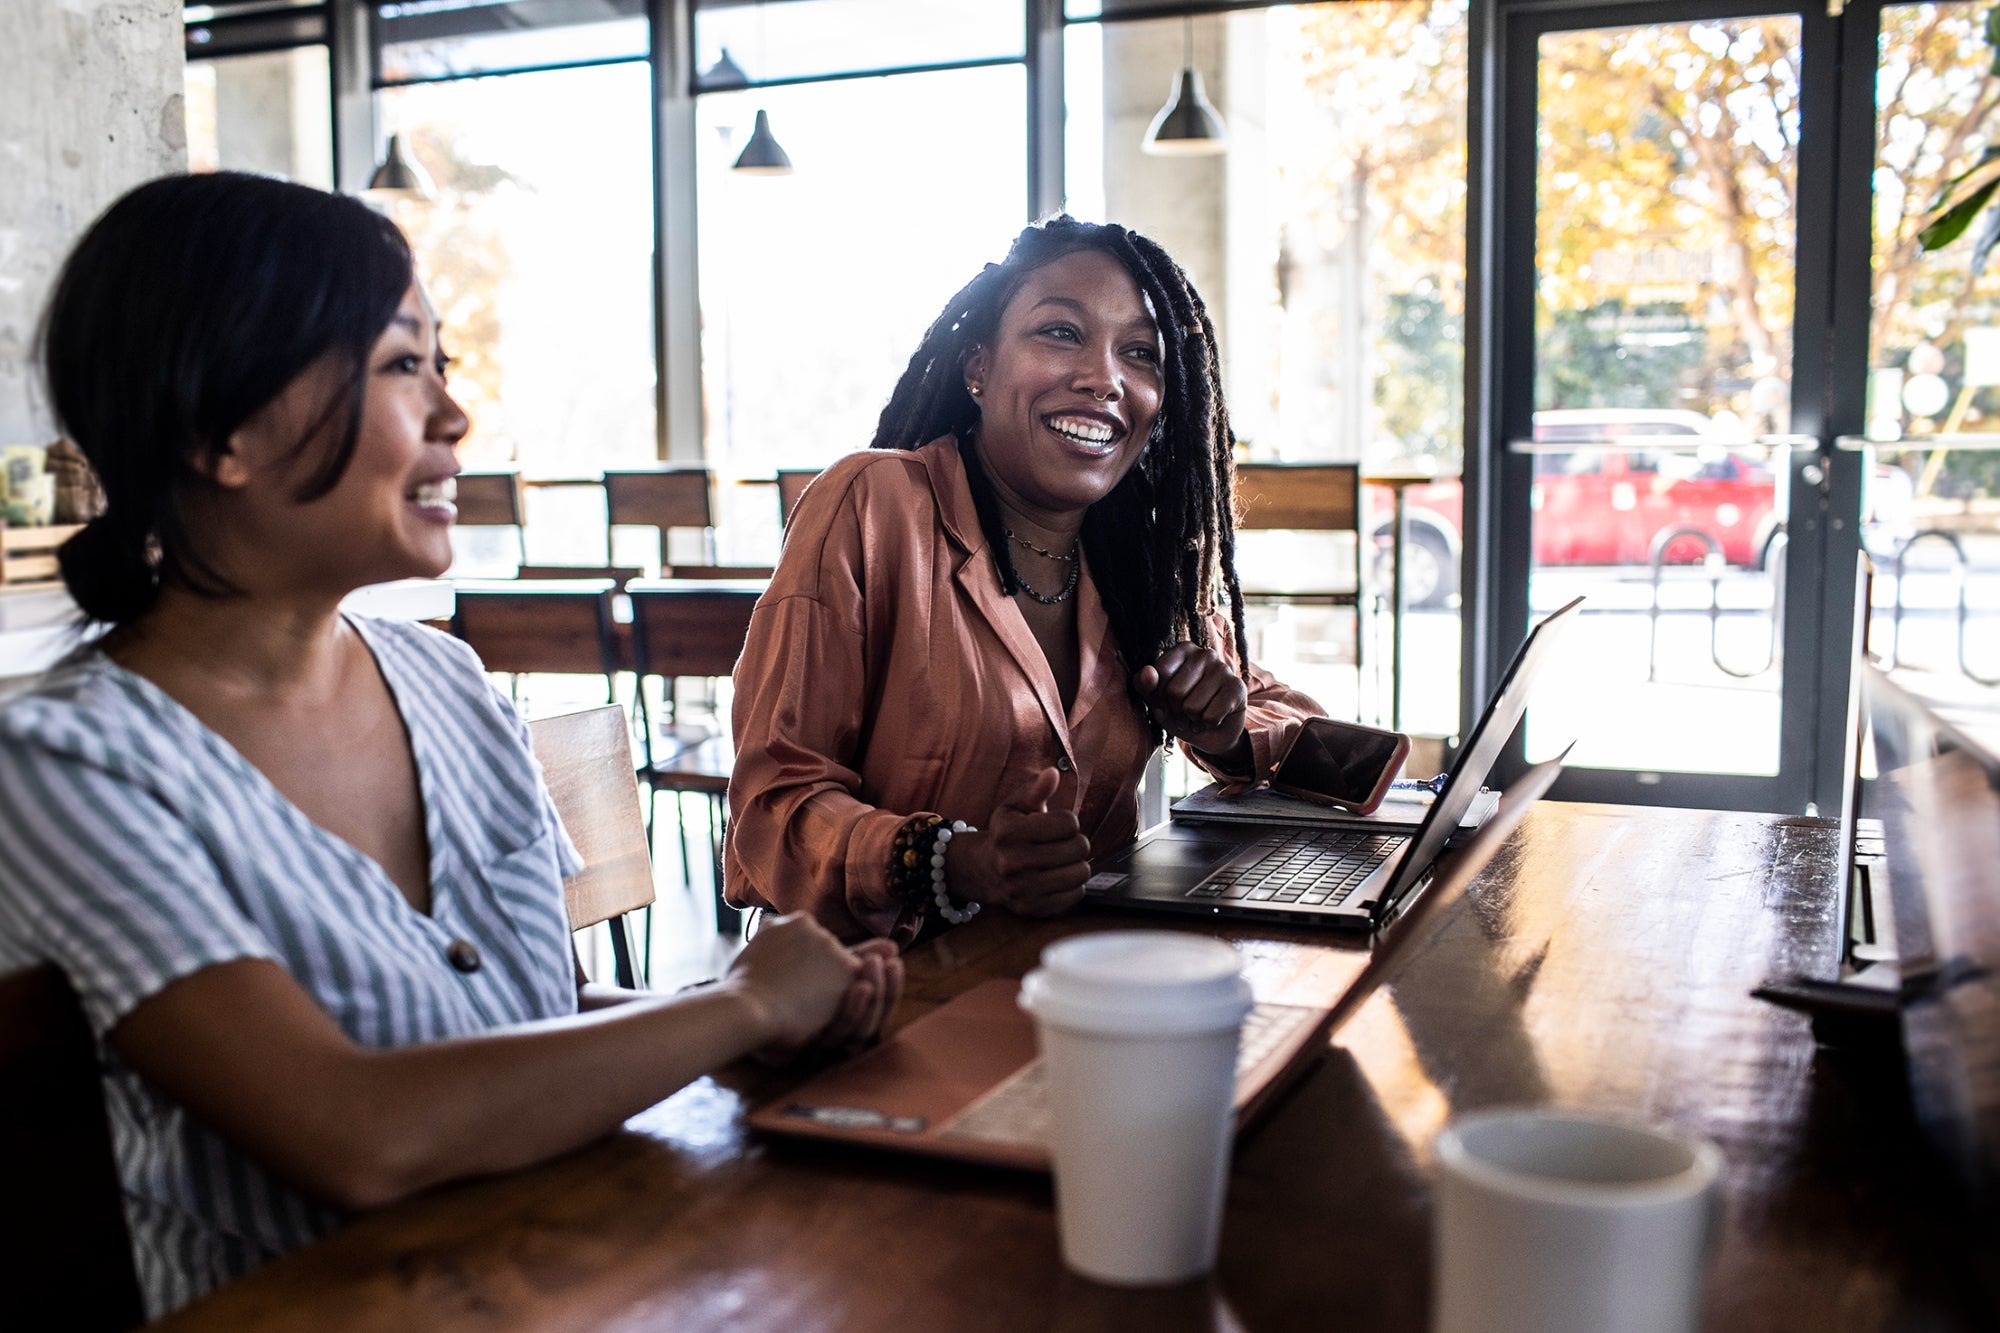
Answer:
(1479, 753)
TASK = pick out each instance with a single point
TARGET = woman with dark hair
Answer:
(299, 865)
(981, 629)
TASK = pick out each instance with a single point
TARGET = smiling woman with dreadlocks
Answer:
(983, 626)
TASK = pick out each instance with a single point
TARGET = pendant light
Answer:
(762, 156)
(400, 178)
(724, 76)
(1187, 125)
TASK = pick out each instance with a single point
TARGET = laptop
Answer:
(964, 1081)
(1864, 994)
(1345, 878)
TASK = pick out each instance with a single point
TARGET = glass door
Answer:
(1929, 456)
(1659, 423)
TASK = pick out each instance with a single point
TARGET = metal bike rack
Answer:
(1958, 570)
(1714, 563)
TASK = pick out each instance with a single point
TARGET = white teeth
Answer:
(436, 494)
(1092, 433)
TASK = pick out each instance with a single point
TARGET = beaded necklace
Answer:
(1075, 570)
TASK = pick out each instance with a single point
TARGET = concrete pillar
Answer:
(90, 105)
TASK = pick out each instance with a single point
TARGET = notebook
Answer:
(964, 1081)
(1341, 877)
(1260, 805)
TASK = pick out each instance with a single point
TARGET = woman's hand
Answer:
(871, 997)
(797, 978)
(1027, 858)
(1195, 697)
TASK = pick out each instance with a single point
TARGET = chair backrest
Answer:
(682, 628)
(710, 573)
(792, 483)
(659, 497)
(620, 575)
(63, 1243)
(587, 762)
(490, 499)
(1313, 497)
(561, 626)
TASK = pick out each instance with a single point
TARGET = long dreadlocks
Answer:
(1162, 544)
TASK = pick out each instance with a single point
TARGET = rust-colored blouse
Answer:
(886, 675)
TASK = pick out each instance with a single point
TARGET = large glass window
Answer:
(1328, 243)
(271, 113)
(1932, 499)
(804, 39)
(817, 286)
(439, 39)
(537, 251)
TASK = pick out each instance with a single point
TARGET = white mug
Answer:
(1554, 1221)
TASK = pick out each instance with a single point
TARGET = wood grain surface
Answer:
(1604, 961)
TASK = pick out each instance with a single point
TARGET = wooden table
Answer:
(1603, 961)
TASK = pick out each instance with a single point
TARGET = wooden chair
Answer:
(665, 497)
(711, 573)
(687, 628)
(792, 483)
(1306, 497)
(555, 626)
(63, 1244)
(493, 500)
(620, 575)
(586, 760)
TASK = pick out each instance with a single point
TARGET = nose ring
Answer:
(1100, 397)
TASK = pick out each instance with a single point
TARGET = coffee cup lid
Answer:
(1137, 983)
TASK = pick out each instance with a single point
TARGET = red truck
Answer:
(1603, 506)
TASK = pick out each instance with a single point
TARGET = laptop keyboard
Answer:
(1017, 1111)
(1310, 867)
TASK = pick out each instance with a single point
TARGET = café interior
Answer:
(1517, 303)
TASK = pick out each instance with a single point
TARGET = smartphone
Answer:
(1340, 763)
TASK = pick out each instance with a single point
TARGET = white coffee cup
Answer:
(1138, 1034)
(1554, 1221)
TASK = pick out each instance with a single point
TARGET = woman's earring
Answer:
(973, 389)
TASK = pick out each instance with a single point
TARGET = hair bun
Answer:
(107, 570)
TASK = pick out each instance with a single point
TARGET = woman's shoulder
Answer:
(88, 708)
(874, 477)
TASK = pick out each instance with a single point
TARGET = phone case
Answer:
(1390, 768)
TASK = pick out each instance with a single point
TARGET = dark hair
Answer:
(189, 305)
(1162, 544)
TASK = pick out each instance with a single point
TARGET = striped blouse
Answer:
(138, 847)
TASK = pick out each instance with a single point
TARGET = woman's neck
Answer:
(254, 645)
(1055, 532)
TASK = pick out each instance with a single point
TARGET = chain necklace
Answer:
(1040, 550)
(1075, 571)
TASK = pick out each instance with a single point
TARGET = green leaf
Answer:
(1993, 35)
(1989, 236)
(1983, 168)
(1953, 222)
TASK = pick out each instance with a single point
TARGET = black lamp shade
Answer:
(762, 156)
(399, 176)
(1187, 125)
